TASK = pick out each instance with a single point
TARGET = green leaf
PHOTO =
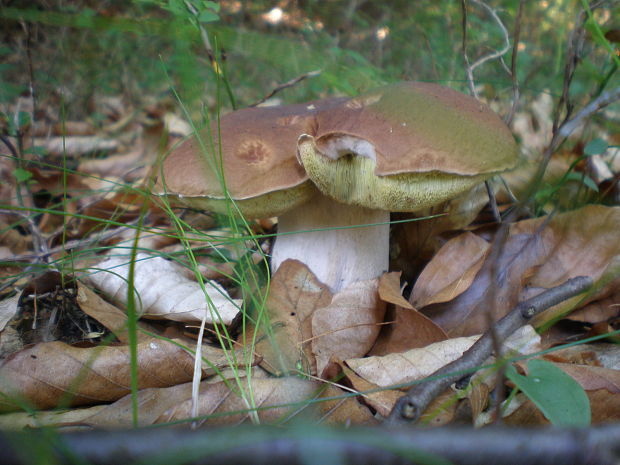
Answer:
(595, 147)
(582, 178)
(21, 175)
(558, 396)
(23, 119)
(211, 5)
(36, 150)
(207, 16)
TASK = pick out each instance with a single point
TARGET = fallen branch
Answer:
(312, 444)
(410, 407)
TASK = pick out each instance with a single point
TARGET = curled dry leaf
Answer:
(49, 373)
(405, 328)
(105, 313)
(537, 254)
(8, 309)
(599, 311)
(220, 403)
(382, 400)
(294, 296)
(451, 271)
(344, 411)
(163, 291)
(349, 325)
(416, 364)
(389, 290)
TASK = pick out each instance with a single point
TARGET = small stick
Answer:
(410, 407)
(287, 84)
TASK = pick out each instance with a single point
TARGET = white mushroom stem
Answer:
(340, 256)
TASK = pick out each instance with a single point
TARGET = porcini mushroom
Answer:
(402, 147)
(258, 168)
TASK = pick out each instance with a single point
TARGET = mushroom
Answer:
(249, 158)
(401, 147)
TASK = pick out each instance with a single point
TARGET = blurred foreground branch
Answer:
(315, 445)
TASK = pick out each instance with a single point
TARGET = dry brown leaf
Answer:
(418, 241)
(441, 410)
(389, 290)
(216, 400)
(62, 420)
(163, 291)
(599, 354)
(349, 325)
(451, 271)
(407, 329)
(598, 311)
(382, 400)
(48, 373)
(294, 296)
(8, 309)
(344, 411)
(593, 378)
(74, 146)
(105, 313)
(577, 243)
(225, 407)
(416, 364)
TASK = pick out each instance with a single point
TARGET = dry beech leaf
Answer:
(163, 291)
(418, 241)
(216, 400)
(389, 290)
(105, 313)
(598, 311)
(8, 309)
(63, 420)
(344, 411)
(349, 325)
(416, 364)
(451, 271)
(48, 373)
(578, 243)
(382, 400)
(599, 354)
(406, 329)
(593, 378)
(294, 295)
(74, 146)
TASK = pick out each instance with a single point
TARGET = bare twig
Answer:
(469, 68)
(286, 85)
(411, 406)
(603, 100)
(513, 64)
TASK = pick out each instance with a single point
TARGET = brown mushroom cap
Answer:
(258, 160)
(406, 146)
